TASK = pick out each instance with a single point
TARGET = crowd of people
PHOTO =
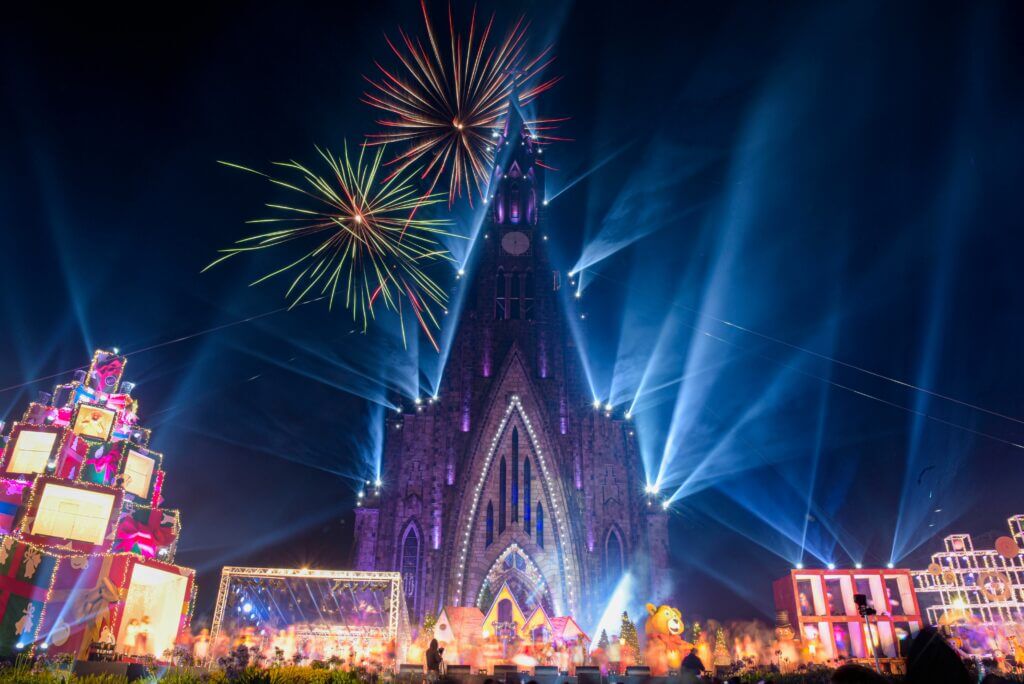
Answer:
(930, 660)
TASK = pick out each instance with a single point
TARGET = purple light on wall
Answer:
(563, 414)
(467, 396)
(485, 354)
(577, 468)
(437, 528)
(463, 421)
(542, 356)
(590, 536)
(450, 471)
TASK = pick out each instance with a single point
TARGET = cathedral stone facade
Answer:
(512, 475)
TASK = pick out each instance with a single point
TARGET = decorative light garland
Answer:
(560, 520)
(509, 550)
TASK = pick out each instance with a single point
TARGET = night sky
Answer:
(841, 180)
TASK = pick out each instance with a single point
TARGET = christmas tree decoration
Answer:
(85, 550)
(629, 634)
(602, 642)
(722, 656)
(429, 622)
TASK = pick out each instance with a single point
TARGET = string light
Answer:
(562, 530)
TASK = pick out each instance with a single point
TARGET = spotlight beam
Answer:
(593, 169)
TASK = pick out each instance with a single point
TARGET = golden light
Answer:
(358, 218)
(77, 514)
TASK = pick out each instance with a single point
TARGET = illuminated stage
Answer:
(358, 619)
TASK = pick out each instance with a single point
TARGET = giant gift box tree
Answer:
(86, 550)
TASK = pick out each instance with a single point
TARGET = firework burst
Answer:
(445, 105)
(366, 244)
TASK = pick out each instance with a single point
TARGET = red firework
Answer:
(446, 106)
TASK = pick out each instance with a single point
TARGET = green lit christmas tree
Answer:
(629, 634)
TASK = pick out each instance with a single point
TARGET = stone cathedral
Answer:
(511, 476)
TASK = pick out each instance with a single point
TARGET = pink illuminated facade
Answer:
(510, 476)
(820, 604)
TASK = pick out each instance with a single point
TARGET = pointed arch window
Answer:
(526, 496)
(489, 525)
(540, 524)
(505, 611)
(516, 292)
(613, 557)
(513, 203)
(410, 566)
(527, 295)
(501, 495)
(502, 282)
(515, 474)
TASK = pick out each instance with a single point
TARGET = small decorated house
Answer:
(538, 627)
(504, 614)
(459, 630)
(566, 630)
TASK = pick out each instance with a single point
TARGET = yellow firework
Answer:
(364, 240)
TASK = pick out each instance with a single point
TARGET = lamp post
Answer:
(866, 612)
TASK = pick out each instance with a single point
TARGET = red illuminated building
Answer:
(824, 614)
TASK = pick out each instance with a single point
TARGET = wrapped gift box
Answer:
(44, 449)
(31, 448)
(141, 605)
(26, 578)
(124, 463)
(70, 457)
(93, 420)
(147, 531)
(74, 516)
(102, 462)
(140, 473)
(12, 500)
(42, 414)
(105, 371)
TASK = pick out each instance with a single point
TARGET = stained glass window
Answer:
(526, 496)
(490, 523)
(540, 524)
(501, 496)
(613, 557)
(515, 474)
(410, 566)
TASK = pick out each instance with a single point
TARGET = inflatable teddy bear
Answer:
(665, 646)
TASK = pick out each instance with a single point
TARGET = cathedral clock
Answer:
(515, 242)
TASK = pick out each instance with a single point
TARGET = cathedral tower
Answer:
(511, 476)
